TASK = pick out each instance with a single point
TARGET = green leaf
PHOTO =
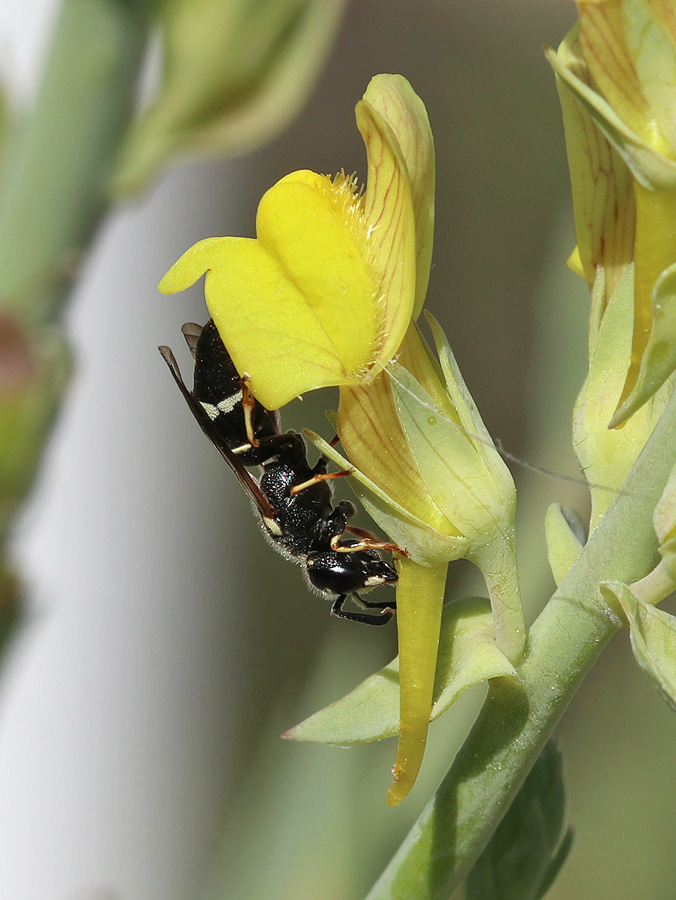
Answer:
(565, 539)
(653, 637)
(467, 656)
(526, 853)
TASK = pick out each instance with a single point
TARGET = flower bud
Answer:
(234, 74)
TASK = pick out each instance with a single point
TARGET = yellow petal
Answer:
(398, 104)
(390, 225)
(325, 293)
(619, 45)
(298, 307)
(314, 228)
(371, 433)
(603, 200)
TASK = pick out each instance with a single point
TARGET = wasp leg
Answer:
(359, 532)
(321, 476)
(369, 604)
(367, 543)
(365, 618)
(249, 408)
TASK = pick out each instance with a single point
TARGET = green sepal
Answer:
(493, 483)
(607, 455)
(423, 543)
(664, 517)
(565, 535)
(486, 500)
(658, 362)
(467, 656)
(524, 856)
(444, 454)
(653, 636)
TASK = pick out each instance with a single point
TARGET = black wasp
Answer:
(294, 499)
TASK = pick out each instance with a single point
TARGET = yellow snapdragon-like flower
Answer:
(324, 294)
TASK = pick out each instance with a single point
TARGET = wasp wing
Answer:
(191, 333)
(245, 477)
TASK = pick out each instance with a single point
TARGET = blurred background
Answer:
(166, 646)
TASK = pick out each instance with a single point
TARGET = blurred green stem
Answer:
(53, 192)
(54, 179)
(516, 720)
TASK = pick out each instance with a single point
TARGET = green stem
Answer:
(54, 181)
(498, 564)
(656, 586)
(53, 187)
(515, 722)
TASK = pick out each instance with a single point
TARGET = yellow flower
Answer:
(324, 294)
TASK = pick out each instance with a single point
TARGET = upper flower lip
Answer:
(324, 294)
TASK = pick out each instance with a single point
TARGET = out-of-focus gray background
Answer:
(167, 646)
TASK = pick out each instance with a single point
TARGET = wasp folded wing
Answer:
(191, 333)
(245, 478)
